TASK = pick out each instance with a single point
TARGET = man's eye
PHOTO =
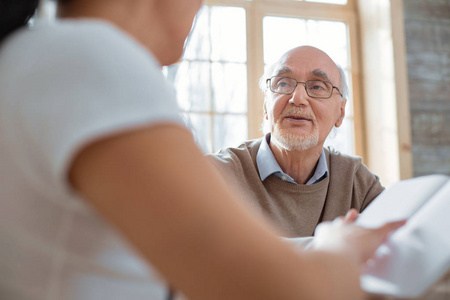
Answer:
(284, 83)
(318, 86)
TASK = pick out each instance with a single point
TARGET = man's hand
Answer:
(342, 235)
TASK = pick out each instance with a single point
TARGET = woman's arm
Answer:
(159, 190)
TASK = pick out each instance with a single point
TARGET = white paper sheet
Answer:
(418, 254)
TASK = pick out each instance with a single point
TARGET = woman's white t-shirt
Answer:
(62, 86)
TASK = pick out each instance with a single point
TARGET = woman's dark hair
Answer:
(15, 14)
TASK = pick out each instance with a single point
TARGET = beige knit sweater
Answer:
(297, 209)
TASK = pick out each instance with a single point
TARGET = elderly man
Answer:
(288, 175)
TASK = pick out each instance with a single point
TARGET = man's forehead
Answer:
(307, 61)
(286, 70)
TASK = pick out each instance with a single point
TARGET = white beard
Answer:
(291, 141)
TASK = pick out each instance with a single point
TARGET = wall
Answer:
(427, 32)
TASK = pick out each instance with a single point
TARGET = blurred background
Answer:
(396, 54)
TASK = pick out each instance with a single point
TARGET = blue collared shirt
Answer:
(268, 165)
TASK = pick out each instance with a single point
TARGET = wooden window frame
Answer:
(385, 89)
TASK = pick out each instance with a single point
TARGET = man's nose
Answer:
(299, 96)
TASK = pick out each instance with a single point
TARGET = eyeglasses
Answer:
(314, 88)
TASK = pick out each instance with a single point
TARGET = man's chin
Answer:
(295, 141)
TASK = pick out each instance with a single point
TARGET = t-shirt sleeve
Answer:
(92, 82)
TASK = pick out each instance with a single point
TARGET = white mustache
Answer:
(298, 113)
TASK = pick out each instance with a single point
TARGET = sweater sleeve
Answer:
(355, 184)
(229, 166)
(237, 167)
(368, 185)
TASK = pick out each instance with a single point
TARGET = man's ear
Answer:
(342, 113)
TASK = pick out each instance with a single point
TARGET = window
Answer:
(224, 106)
(47, 9)
(211, 79)
(232, 42)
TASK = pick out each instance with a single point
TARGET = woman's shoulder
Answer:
(89, 42)
(89, 67)
(62, 30)
(70, 53)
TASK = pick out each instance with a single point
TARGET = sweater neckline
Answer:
(274, 181)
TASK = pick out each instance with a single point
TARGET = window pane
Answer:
(229, 130)
(280, 35)
(342, 138)
(228, 34)
(214, 37)
(192, 83)
(229, 82)
(198, 43)
(212, 77)
(331, 37)
(200, 125)
(349, 106)
(47, 11)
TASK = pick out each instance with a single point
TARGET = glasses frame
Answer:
(269, 85)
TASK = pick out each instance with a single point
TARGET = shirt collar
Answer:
(268, 165)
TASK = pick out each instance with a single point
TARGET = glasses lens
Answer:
(282, 85)
(319, 89)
